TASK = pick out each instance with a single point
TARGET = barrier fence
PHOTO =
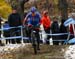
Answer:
(22, 37)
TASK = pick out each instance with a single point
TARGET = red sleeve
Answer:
(71, 29)
(41, 21)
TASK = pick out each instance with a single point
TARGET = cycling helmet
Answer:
(33, 9)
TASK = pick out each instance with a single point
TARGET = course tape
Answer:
(57, 34)
(11, 28)
(25, 38)
(15, 37)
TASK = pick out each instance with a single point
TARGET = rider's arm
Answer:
(25, 19)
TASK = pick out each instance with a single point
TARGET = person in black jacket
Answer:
(55, 30)
(63, 29)
(14, 20)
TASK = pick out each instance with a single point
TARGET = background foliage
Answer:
(5, 9)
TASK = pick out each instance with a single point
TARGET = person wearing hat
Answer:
(46, 21)
(55, 30)
(14, 20)
(33, 19)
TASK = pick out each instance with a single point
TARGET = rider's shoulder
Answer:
(37, 13)
(29, 13)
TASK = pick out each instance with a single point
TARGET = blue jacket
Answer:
(33, 20)
(6, 26)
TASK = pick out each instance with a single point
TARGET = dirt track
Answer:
(26, 52)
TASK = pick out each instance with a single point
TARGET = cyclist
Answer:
(33, 19)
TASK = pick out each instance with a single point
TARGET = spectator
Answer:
(63, 29)
(14, 20)
(46, 21)
(6, 31)
(55, 30)
(72, 30)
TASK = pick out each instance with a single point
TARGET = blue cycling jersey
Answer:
(33, 20)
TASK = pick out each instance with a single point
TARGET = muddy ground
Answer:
(26, 52)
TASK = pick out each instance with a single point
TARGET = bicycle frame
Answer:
(33, 39)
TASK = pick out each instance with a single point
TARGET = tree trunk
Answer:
(63, 7)
(47, 6)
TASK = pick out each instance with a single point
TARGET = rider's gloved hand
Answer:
(38, 25)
